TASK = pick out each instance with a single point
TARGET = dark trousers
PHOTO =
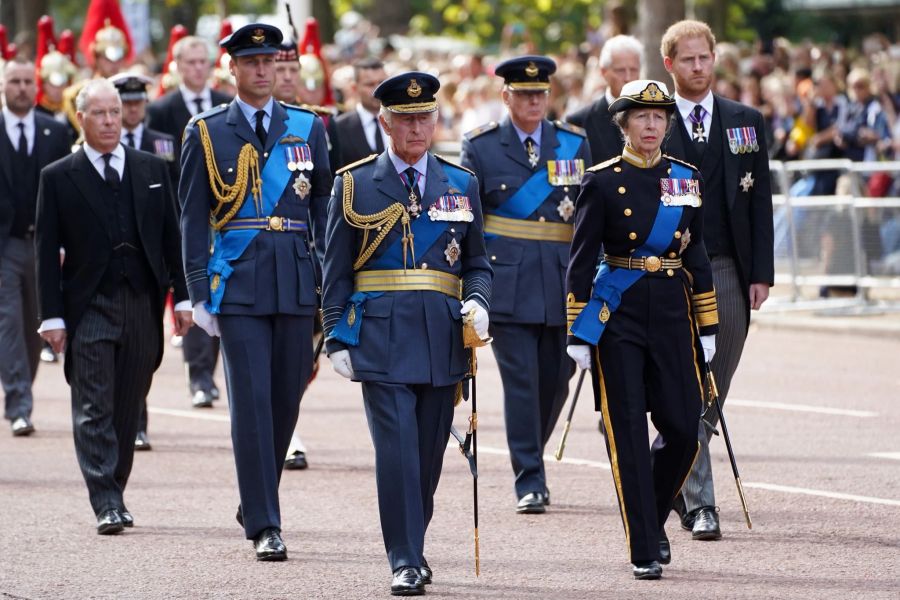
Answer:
(410, 426)
(535, 371)
(268, 360)
(698, 490)
(113, 355)
(647, 363)
(20, 344)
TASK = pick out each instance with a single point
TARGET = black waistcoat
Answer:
(24, 190)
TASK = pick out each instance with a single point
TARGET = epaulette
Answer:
(471, 135)
(358, 163)
(604, 164)
(288, 106)
(453, 164)
(681, 162)
(570, 128)
(318, 110)
(208, 113)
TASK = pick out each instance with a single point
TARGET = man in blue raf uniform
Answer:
(404, 246)
(267, 188)
(529, 171)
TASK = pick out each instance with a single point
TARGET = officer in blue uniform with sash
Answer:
(255, 180)
(529, 170)
(404, 260)
(646, 321)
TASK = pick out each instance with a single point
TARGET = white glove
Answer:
(708, 342)
(207, 322)
(481, 317)
(340, 362)
(581, 354)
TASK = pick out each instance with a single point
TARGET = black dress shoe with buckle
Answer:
(269, 545)
(109, 522)
(296, 461)
(142, 442)
(425, 572)
(531, 504)
(650, 570)
(706, 524)
(127, 518)
(407, 581)
(665, 549)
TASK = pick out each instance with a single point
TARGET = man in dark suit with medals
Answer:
(726, 141)
(404, 261)
(620, 62)
(112, 209)
(359, 130)
(529, 170)
(257, 289)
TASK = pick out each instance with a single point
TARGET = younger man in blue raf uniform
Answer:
(257, 289)
(530, 173)
(404, 246)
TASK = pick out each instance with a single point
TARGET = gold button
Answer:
(621, 189)
(677, 235)
(618, 169)
(670, 272)
(669, 170)
(424, 265)
(699, 202)
(541, 219)
(632, 236)
(494, 257)
(502, 186)
(672, 255)
(627, 212)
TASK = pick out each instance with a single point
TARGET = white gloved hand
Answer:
(481, 317)
(708, 342)
(340, 362)
(581, 354)
(207, 322)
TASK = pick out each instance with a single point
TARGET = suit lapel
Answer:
(277, 126)
(41, 142)
(236, 119)
(182, 113)
(82, 175)
(436, 184)
(388, 181)
(549, 142)
(138, 168)
(358, 134)
(5, 158)
(513, 147)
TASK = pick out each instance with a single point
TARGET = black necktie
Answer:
(411, 184)
(379, 143)
(698, 132)
(130, 138)
(531, 149)
(23, 141)
(110, 174)
(199, 102)
(260, 130)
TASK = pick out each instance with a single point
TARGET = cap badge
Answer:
(651, 93)
(414, 90)
(531, 69)
(258, 36)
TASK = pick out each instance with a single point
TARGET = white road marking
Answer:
(821, 493)
(891, 455)
(822, 410)
(583, 462)
(188, 414)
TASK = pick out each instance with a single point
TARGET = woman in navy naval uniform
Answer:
(636, 323)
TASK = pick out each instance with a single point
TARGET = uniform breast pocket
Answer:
(498, 189)
(240, 288)
(374, 350)
(306, 274)
(506, 257)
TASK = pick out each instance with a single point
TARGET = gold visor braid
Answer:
(247, 171)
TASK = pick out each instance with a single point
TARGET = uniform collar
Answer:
(630, 156)
(421, 165)
(534, 135)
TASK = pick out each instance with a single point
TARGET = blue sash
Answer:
(425, 232)
(229, 245)
(537, 188)
(610, 285)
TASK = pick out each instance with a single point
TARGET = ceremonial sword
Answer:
(562, 441)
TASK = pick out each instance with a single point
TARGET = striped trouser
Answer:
(732, 304)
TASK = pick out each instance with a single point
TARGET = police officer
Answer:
(404, 247)
(257, 289)
(635, 323)
(529, 170)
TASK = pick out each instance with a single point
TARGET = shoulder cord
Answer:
(247, 170)
(382, 221)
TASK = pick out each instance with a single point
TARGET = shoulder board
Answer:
(447, 161)
(570, 128)
(681, 162)
(316, 109)
(215, 110)
(304, 107)
(358, 163)
(481, 130)
(605, 164)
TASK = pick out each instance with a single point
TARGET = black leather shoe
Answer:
(269, 545)
(425, 572)
(239, 516)
(202, 399)
(109, 522)
(127, 519)
(546, 497)
(706, 524)
(22, 426)
(296, 461)
(531, 504)
(665, 549)
(651, 570)
(687, 519)
(142, 442)
(407, 582)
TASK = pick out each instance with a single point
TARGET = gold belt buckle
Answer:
(652, 264)
(276, 224)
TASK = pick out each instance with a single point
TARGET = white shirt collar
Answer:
(14, 119)
(365, 116)
(686, 106)
(421, 166)
(189, 96)
(96, 158)
(137, 131)
(250, 111)
(535, 135)
(609, 97)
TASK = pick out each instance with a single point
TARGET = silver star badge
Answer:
(451, 253)
(566, 209)
(301, 186)
(746, 182)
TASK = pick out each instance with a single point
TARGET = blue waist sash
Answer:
(425, 234)
(228, 245)
(609, 285)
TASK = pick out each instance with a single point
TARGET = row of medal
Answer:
(679, 192)
(452, 207)
(299, 158)
(565, 173)
(742, 140)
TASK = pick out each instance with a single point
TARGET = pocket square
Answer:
(153, 186)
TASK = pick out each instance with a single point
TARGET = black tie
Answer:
(199, 102)
(379, 143)
(23, 141)
(698, 132)
(260, 130)
(110, 174)
(130, 138)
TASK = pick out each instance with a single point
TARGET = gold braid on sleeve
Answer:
(382, 221)
(247, 173)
